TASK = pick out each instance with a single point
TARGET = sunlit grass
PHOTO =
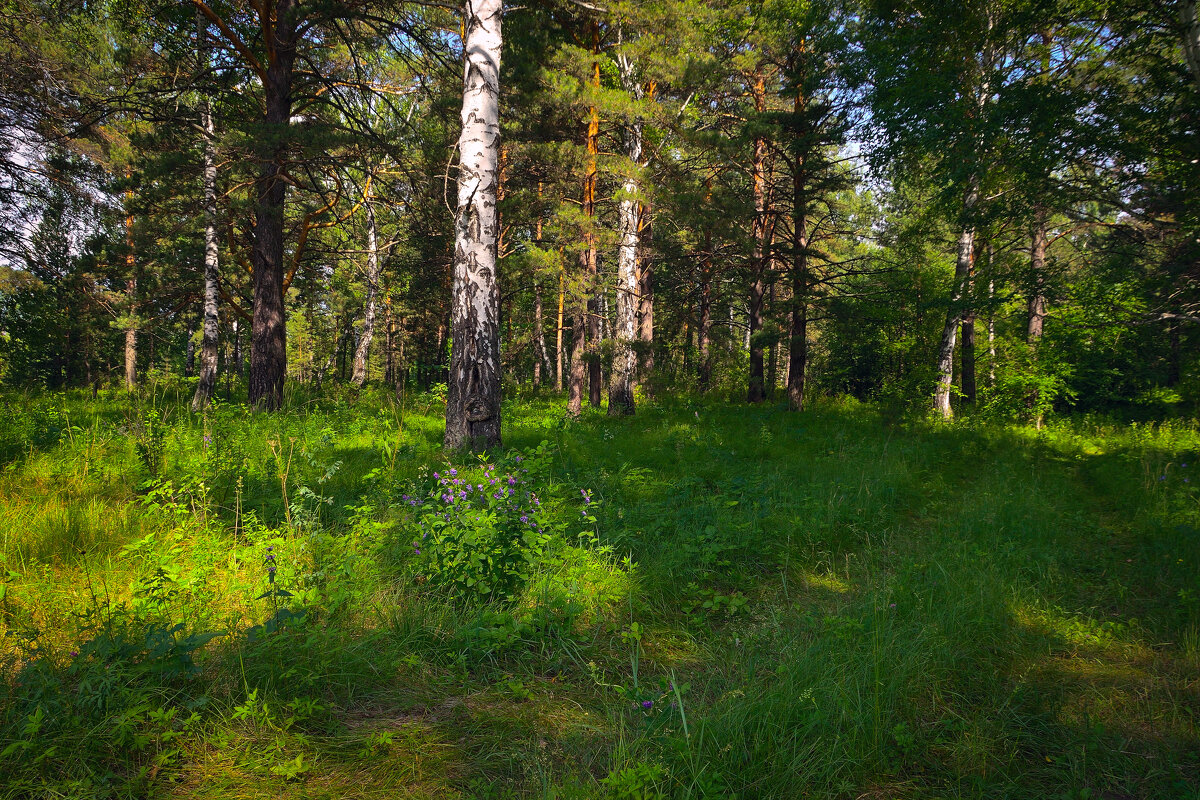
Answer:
(830, 605)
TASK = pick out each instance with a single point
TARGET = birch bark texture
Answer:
(959, 293)
(962, 271)
(624, 367)
(131, 330)
(371, 302)
(473, 392)
(212, 273)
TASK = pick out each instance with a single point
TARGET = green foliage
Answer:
(29, 424)
(753, 601)
(479, 535)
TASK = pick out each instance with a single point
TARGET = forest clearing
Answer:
(626, 400)
(752, 604)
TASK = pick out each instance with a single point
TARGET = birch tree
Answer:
(624, 367)
(209, 343)
(473, 390)
(363, 351)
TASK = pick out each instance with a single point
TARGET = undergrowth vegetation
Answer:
(700, 602)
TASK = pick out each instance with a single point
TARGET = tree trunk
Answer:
(704, 363)
(756, 392)
(238, 361)
(473, 397)
(189, 359)
(131, 332)
(798, 339)
(991, 320)
(268, 330)
(1037, 295)
(541, 358)
(212, 274)
(368, 330)
(578, 366)
(558, 331)
(645, 291)
(400, 374)
(962, 271)
(389, 344)
(624, 367)
(968, 358)
(590, 258)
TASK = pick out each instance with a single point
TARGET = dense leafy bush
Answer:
(479, 533)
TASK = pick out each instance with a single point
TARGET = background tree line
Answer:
(936, 204)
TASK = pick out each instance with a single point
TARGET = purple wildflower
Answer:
(647, 704)
(453, 473)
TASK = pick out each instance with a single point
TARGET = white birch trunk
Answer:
(359, 377)
(962, 271)
(209, 343)
(473, 397)
(966, 245)
(624, 367)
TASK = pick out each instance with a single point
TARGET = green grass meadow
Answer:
(752, 604)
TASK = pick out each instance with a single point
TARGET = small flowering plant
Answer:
(478, 533)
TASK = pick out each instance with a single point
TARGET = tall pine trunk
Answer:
(756, 392)
(268, 329)
(585, 325)
(473, 396)
(212, 274)
(362, 354)
(798, 339)
(591, 256)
